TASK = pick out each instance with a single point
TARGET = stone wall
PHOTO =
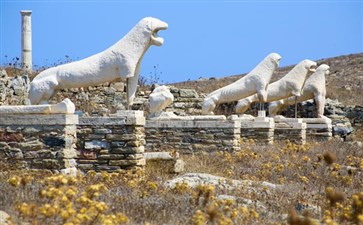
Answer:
(259, 129)
(318, 129)
(39, 141)
(192, 135)
(111, 143)
(13, 90)
(290, 129)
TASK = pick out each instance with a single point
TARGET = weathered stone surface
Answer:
(196, 179)
(96, 144)
(111, 146)
(51, 119)
(188, 93)
(179, 166)
(41, 145)
(117, 144)
(128, 150)
(102, 131)
(192, 135)
(4, 217)
(98, 121)
(122, 137)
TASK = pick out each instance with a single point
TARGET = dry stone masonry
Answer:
(290, 129)
(39, 141)
(194, 134)
(259, 129)
(111, 143)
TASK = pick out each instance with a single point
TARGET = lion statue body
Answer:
(160, 98)
(255, 81)
(290, 85)
(314, 88)
(122, 60)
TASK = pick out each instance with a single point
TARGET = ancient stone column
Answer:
(26, 40)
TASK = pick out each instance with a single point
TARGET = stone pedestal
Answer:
(193, 134)
(39, 141)
(26, 41)
(290, 129)
(259, 129)
(111, 143)
(318, 129)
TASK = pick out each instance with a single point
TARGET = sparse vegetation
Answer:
(321, 182)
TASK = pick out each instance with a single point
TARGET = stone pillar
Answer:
(26, 41)
(259, 129)
(193, 134)
(39, 141)
(111, 143)
(291, 129)
(318, 129)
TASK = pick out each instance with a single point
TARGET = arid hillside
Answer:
(345, 81)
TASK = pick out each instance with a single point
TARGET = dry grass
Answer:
(320, 182)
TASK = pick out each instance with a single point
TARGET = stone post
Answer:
(26, 41)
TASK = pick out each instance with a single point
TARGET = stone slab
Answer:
(158, 155)
(99, 121)
(319, 126)
(194, 118)
(39, 119)
(191, 124)
(316, 120)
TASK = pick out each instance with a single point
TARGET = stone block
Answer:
(112, 156)
(106, 168)
(101, 121)
(122, 163)
(96, 144)
(188, 93)
(103, 131)
(134, 156)
(92, 161)
(118, 144)
(39, 119)
(128, 150)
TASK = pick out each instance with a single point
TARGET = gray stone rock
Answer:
(4, 218)
(96, 145)
(196, 179)
(188, 93)
(179, 166)
(3, 73)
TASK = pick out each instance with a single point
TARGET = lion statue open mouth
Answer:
(123, 59)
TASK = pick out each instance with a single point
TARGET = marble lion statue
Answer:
(290, 85)
(122, 60)
(255, 81)
(160, 98)
(314, 88)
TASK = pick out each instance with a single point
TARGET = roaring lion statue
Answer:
(314, 88)
(290, 85)
(122, 60)
(255, 81)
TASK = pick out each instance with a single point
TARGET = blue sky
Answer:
(204, 39)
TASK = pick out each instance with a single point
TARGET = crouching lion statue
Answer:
(255, 81)
(122, 60)
(290, 85)
(314, 88)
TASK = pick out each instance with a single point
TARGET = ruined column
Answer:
(26, 41)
